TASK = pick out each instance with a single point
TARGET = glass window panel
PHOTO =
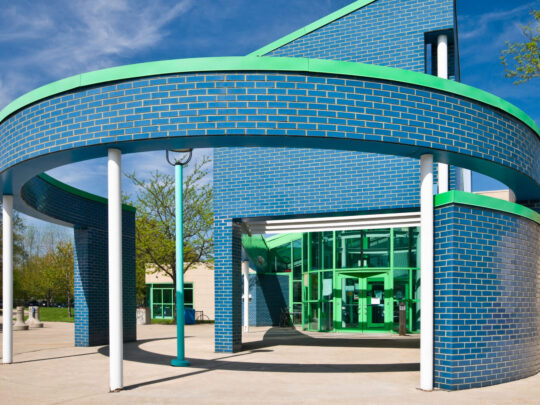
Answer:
(316, 250)
(327, 285)
(415, 287)
(314, 316)
(349, 249)
(157, 295)
(415, 258)
(297, 291)
(328, 250)
(167, 311)
(297, 313)
(377, 248)
(349, 302)
(167, 295)
(157, 311)
(401, 283)
(314, 286)
(327, 316)
(188, 296)
(297, 259)
(402, 247)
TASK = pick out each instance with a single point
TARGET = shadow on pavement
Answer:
(274, 337)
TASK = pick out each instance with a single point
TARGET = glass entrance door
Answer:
(363, 304)
(375, 304)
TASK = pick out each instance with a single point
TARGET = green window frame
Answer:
(162, 300)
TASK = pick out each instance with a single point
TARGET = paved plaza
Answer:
(278, 366)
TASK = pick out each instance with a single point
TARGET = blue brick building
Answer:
(324, 183)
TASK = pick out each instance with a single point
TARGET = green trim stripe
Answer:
(239, 64)
(336, 15)
(80, 193)
(482, 201)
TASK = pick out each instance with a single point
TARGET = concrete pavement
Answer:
(278, 366)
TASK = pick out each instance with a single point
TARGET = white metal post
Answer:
(442, 72)
(467, 180)
(426, 272)
(116, 333)
(245, 273)
(7, 277)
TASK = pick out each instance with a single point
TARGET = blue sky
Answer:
(43, 41)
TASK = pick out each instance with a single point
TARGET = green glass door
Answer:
(364, 303)
(375, 304)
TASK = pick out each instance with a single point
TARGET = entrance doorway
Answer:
(365, 303)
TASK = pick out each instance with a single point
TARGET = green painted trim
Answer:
(482, 201)
(239, 64)
(80, 193)
(336, 15)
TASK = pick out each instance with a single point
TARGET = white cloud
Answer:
(60, 38)
(474, 27)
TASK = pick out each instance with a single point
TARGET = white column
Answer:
(7, 277)
(116, 333)
(463, 179)
(467, 180)
(442, 72)
(442, 56)
(426, 272)
(245, 273)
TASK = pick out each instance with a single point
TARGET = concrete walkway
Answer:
(278, 366)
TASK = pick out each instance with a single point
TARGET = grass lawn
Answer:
(47, 314)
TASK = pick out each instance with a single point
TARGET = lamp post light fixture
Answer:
(179, 164)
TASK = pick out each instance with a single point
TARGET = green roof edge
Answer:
(243, 63)
(482, 201)
(336, 15)
(80, 193)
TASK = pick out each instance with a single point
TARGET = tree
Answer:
(20, 254)
(522, 60)
(58, 272)
(155, 222)
(47, 269)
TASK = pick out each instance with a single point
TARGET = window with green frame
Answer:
(162, 299)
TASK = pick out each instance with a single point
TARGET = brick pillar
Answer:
(228, 286)
(91, 284)
(91, 287)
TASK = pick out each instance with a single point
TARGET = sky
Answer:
(43, 41)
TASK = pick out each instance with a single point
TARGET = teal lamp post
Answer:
(179, 164)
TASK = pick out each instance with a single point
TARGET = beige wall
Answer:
(506, 195)
(202, 277)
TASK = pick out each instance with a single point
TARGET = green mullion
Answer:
(409, 303)
(151, 301)
(319, 295)
(290, 274)
(389, 310)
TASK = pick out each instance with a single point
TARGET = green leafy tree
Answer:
(57, 273)
(20, 254)
(155, 222)
(522, 60)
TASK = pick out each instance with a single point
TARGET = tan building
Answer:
(198, 292)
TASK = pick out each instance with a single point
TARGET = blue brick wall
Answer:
(386, 32)
(228, 285)
(269, 294)
(487, 297)
(91, 259)
(277, 109)
(308, 181)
